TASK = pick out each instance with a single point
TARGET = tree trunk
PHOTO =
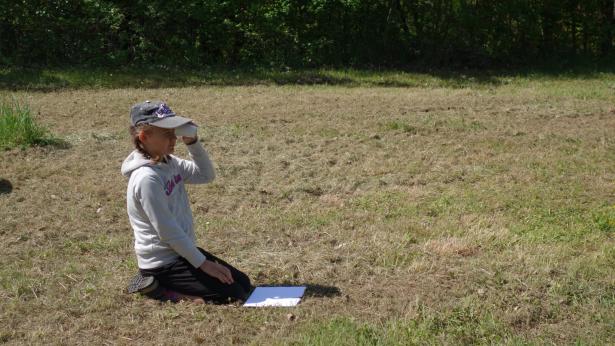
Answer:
(608, 23)
(403, 19)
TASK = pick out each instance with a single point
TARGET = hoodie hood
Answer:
(134, 161)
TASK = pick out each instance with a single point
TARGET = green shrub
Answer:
(18, 128)
(605, 219)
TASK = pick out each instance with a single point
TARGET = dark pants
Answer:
(182, 277)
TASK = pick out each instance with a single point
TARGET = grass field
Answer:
(473, 212)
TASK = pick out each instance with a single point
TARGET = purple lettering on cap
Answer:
(164, 111)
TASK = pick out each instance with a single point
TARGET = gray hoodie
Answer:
(158, 206)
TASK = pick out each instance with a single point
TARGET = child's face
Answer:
(159, 141)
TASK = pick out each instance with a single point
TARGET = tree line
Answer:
(303, 33)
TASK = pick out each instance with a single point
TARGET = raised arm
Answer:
(199, 170)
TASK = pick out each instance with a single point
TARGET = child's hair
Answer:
(134, 134)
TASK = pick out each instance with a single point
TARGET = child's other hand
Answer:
(218, 271)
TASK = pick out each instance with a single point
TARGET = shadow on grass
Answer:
(56, 143)
(163, 77)
(314, 290)
(49, 80)
(17, 79)
(5, 187)
(51, 143)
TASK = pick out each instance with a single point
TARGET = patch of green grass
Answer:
(604, 218)
(104, 136)
(312, 219)
(18, 127)
(461, 325)
(235, 130)
(165, 77)
(328, 132)
(18, 285)
(388, 205)
(554, 223)
(436, 123)
(398, 254)
(95, 245)
(400, 126)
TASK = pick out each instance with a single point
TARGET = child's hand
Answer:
(188, 133)
(218, 271)
(190, 140)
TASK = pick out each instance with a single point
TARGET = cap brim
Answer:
(171, 122)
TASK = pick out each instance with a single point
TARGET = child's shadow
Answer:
(311, 290)
(316, 290)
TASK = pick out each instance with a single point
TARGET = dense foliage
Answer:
(303, 33)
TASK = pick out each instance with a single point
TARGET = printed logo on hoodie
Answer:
(169, 185)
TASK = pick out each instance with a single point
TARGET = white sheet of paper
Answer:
(275, 296)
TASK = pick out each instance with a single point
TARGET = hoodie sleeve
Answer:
(200, 170)
(151, 195)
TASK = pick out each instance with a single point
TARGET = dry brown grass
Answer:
(425, 215)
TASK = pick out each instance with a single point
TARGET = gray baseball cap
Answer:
(156, 113)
